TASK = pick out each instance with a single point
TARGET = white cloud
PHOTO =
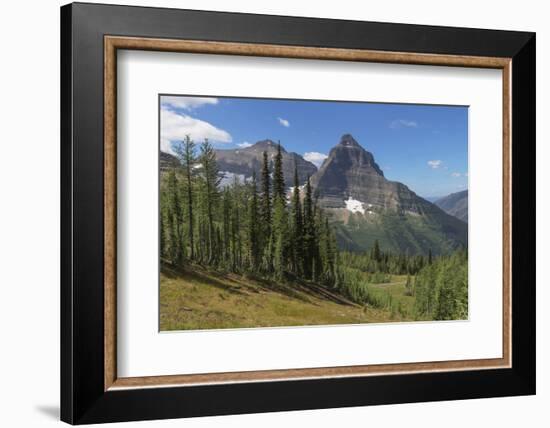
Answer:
(175, 127)
(403, 123)
(315, 158)
(435, 163)
(187, 103)
(166, 146)
(244, 145)
(456, 174)
(283, 122)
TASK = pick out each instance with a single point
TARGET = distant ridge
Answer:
(243, 161)
(455, 204)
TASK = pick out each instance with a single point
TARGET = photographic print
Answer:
(279, 212)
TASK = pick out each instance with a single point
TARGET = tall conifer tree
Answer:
(280, 217)
(297, 227)
(308, 231)
(186, 155)
(211, 177)
(265, 214)
(376, 254)
(253, 226)
(175, 218)
(162, 233)
(278, 177)
(226, 220)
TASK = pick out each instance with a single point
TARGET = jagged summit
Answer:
(347, 140)
(349, 154)
(349, 170)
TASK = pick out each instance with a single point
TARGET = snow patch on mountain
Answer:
(290, 191)
(354, 206)
(228, 178)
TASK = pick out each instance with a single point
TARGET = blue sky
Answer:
(424, 147)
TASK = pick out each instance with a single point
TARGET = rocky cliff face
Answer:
(351, 172)
(244, 161)
(167, 161)
(455, 204)
(366, 206)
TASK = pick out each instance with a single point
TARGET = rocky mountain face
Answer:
(243, 161)
(366, 206)
(455, 204)
(350, 171)
(167, 161)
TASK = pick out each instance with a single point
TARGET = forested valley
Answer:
(254, 253)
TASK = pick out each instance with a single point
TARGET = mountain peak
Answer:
(348, 141)
(266, 145)
(349, 154)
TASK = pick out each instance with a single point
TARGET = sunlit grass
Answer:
(197, 299)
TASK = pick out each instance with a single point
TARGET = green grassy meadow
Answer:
(196, 298)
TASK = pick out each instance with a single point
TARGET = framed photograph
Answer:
(267, 213)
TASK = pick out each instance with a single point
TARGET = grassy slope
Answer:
(201, 299)
(397, 290)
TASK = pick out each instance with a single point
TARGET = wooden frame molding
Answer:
(113, 43)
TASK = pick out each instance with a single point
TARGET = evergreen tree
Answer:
(280, 236)
(162, 233)
(237, 205)
(441, 288)
(376, 253)
(297, 227)
(234, 231)
(309, 228)
(186, 155)
(321, 266)
(175, 218)
(265, 214)
(253, 226)
(211, 180)
(278, 177)
(172, 234)
(226, 222)
(280, 219)
(329, 250)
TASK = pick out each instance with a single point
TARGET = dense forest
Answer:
(441, 289)
(255, 227)
(248, 226)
